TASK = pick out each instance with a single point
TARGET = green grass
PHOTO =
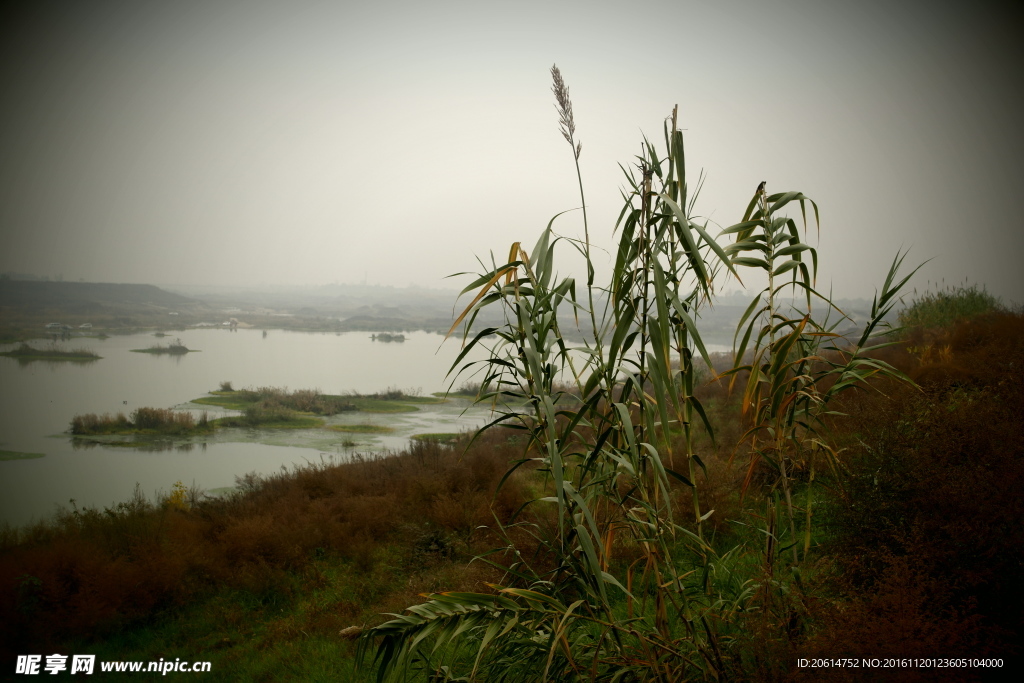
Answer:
(267, 398)
(287, 635)
(232, 400)
(307, 400)
(289, 420)
(18, 455)
(376, 405)
(290, 634)
(439, 437)
(361, 429)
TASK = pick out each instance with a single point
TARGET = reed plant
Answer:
(798, 362)
(604, 579)
(142, 420)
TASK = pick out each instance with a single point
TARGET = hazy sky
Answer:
(301, 142)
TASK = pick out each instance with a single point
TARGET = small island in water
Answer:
(176, 348)
(264, 408)
(28, 353)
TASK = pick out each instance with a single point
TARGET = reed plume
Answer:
(564, 106)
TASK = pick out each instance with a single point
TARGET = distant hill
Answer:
(83, 297)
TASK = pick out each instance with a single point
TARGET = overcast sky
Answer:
(300, 142)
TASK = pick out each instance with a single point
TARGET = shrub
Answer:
(944, 307)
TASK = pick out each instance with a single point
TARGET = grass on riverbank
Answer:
(276, 568)
(28, 352)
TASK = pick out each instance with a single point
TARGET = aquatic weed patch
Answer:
(18, 455)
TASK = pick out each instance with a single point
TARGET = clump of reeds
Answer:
(391, 394)
(91, 423)
(301, 400)
(263, 413)
(142, 420)
(469, 388)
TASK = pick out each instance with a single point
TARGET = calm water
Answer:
(38, 400)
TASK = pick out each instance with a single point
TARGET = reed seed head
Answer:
(564, 106)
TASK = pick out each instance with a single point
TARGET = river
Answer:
(39, 398)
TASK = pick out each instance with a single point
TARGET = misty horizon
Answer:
(244, 144)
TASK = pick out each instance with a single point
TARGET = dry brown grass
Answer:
(93, 571)
(925, 536)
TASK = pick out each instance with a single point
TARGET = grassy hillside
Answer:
(27, 306)
(83, 297)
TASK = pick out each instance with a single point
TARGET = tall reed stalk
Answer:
(575, 609)
(799, 363)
